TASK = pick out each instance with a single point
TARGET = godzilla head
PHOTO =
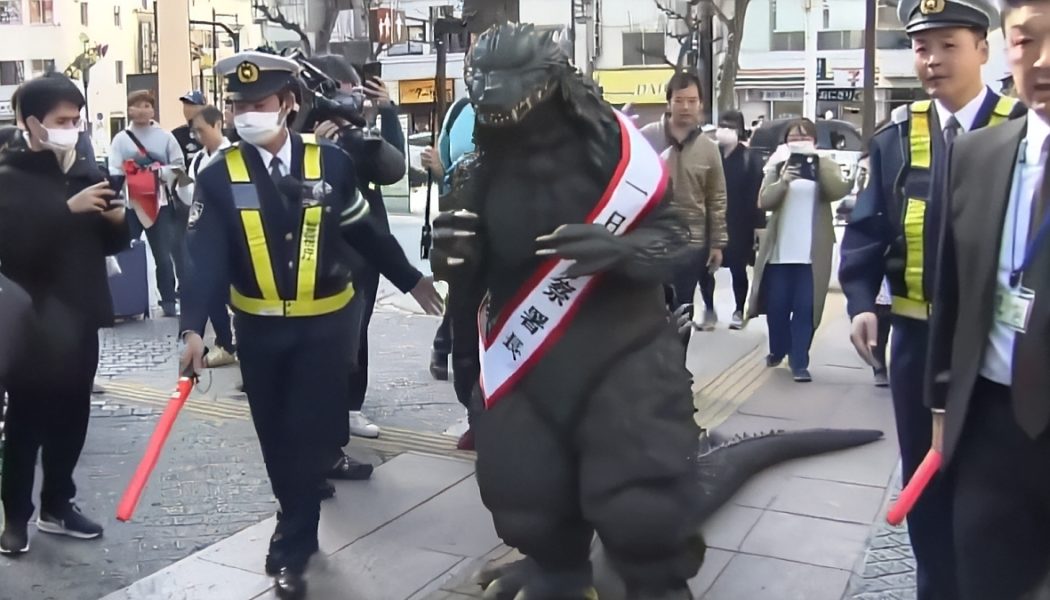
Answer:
(512, 69)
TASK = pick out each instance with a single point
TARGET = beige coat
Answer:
(698, 183)
(830, 187)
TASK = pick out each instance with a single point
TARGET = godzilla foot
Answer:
(525, 580)
(504, 582)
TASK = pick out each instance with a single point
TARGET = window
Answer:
(116, 15)
(889, 33)
(12, 72)
(119, 66)
(644, 48)
(840, 40)
(10, 12)
(84, 14)
(42, 11)
(41, 66)
(790, 40)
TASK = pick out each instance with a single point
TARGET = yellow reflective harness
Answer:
(914, 303)
(271, 304)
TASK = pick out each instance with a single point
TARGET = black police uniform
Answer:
(893, 233)
(278, 251)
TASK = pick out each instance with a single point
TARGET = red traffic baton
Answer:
(130, 500)
(911, 492)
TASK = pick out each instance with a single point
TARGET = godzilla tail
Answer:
(725, 469)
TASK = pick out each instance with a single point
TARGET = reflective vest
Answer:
(909, 295)
(246, 200)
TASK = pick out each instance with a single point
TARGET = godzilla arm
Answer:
(656, 245)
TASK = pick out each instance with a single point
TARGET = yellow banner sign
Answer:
(421, 91)
(638, 86)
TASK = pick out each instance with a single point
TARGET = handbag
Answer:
(143, 183)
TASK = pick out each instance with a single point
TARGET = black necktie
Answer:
(1040, 195)
(951, 131)
(934, 205)
(275, 170)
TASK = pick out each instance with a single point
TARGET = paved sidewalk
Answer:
(418, 523)
(798, 531)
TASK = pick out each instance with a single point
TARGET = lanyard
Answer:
(1033, 245)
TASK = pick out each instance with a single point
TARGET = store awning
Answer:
(637, 86)
(795, 78)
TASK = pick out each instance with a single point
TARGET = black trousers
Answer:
(885, 316)
(461, 341)
(366, 284)
(690, 273)
(930, 522)
(48, 410)
(740, 286)
(1002, 502)
(160, 244)
(179, 224)
(295, 377)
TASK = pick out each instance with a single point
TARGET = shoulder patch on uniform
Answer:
(900, 114)
(196, 210)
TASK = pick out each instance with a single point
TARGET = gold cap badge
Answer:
(249, 73)
(931, 7)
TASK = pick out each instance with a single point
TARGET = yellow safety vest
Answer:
(914, 303)
(271, 304)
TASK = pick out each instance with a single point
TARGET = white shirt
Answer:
(285, 154)
(966, 115)
(197, 164)
(998, 356)
(205, 158)
(795, 225)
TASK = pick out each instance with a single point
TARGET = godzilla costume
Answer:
(565, 225)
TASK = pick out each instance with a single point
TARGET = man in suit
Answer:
(893, 235)
(988, 381)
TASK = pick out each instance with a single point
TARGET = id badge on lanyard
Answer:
(1013, 307)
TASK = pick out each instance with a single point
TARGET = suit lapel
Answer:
(987, 206)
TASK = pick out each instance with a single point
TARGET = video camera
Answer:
(323, 100)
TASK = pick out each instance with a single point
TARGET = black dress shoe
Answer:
(439, 365)
(289, 584)
(348, 469)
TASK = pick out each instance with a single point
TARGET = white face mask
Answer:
(259, 127)
(62, 139)
(726, 136)
(806, 147)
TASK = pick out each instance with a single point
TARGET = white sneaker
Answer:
(361, 426)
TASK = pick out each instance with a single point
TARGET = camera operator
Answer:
(53, 243)
(377, 162)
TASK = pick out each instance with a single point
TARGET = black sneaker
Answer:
(348, 469)
(71, 522)
(802, 376)
(15, 539)
(773, 361)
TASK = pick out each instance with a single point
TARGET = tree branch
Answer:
(653, 54)
(277, 18)
(722, 16)
(671, 13)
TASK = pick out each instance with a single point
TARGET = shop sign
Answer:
(840, 95)
(421, 91)
(637, 86)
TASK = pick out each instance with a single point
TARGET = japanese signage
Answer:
(840, 95)
(421, 91)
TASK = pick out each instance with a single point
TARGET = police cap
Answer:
(924, 15)
(253, 75)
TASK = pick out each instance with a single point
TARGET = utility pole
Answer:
(869, 68)
(814, 12)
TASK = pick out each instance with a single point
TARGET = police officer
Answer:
(894, 230)
(271, 228)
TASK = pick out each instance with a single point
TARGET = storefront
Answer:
(644, 89)
(416, 98)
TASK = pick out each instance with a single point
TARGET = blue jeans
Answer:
(789, 307)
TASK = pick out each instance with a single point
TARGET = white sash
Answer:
(537, 316)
